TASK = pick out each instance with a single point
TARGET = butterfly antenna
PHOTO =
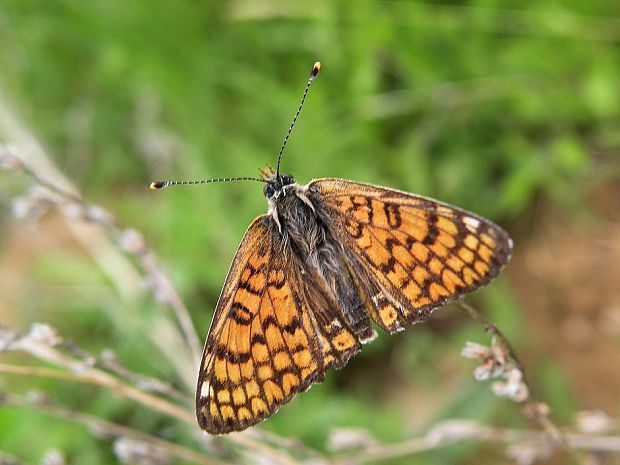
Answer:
(161, 184)
(315, 70)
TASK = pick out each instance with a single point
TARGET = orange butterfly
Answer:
(310, 276)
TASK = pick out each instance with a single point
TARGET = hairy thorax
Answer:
(299, 225)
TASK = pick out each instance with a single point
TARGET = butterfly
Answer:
(313, 274)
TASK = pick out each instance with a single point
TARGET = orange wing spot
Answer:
(213, 410)
(446, 240)
(283, 313)
(295, 339)
(252, 389)
(227, 412)
(446, 225)
(488, 240)
(306, 372)
(256, 261)
(281, 360)
(361, 215)
(302, 358)
(272, 392)
(398, 276)
(469, 275)
(244, 414)
(439, 249)
(418, 229)
(246, 298)
(258, 281)
(365, 240)
(403, 256)
(360, 211)
(223, 396)
(234, 373)
(481, 267)
(466, 255)
(239, 341)
(455, 263)
(435, 266)
(260, 353)
(419, 251)
(422, 302)
(265, 372)
(238, 396)
(412, 291)
(485, 253)
(437, 291)
(289, 382)
(358, 200)
(220, 369)
(329, 358)
(388, 315)
(420, 275)
(274, 338)
(276, 276)
(420, 215)
(378, 214)
(345, 203)
(343, 340)
(247, 369)
(471, 241)
(258, 406)
(379, 255)
(451, 281)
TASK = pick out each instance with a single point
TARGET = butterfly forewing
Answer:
(408, 254)
(273, 334)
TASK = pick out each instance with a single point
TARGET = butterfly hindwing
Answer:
(409, 254)
(273, 334)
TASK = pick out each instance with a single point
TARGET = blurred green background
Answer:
(510, 109)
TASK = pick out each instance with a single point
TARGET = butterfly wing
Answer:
(408, 254)
(273, 334)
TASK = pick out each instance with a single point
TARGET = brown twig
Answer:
(73, 207)
(454, 431)
(99, 378)
(534, 409)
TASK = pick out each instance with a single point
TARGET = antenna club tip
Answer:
(157, 185)
(316, 68)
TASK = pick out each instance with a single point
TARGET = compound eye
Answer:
(287, 179)
(268, 191)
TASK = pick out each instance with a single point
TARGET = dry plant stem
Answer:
(290, 443)
(152, 402)
(112, 429)
(146, 259)
(78, 370)
(532, 408)
(477, 433)
(146, 383)
(99, 378)
(121, 272)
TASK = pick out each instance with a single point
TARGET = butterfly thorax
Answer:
(295, 217)
(292, 211)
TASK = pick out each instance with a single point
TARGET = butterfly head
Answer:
(276, 183)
